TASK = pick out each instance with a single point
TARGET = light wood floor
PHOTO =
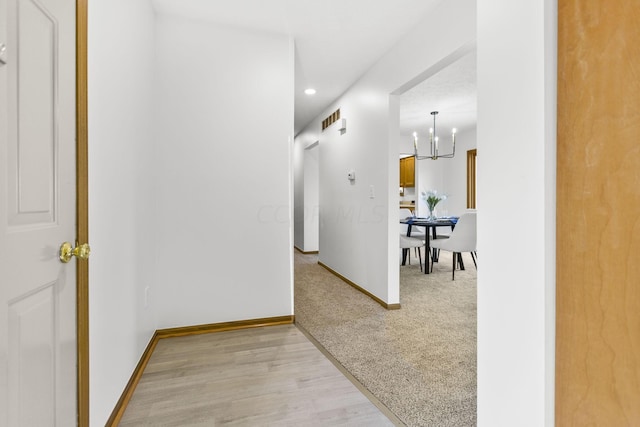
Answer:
(254, 377)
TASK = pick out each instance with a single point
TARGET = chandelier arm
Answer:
(433, 142)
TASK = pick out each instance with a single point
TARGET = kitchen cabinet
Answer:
(408, 172)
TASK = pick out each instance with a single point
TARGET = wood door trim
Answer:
(82, 215)
(471, 178)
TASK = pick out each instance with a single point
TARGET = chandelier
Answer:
(434, 143)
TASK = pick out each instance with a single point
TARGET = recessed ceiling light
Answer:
(310, 91)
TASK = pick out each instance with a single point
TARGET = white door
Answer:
(37, 213)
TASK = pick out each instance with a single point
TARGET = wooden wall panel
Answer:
(598, 217)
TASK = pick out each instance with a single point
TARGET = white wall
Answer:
(121, 193)
(298, 194)
(447, 176)
(358, 234)
(225, 119)
(516, 187)
(306, 195)
(311, 198)
(455, 175)
(352, 223)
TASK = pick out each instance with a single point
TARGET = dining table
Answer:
(430, 225)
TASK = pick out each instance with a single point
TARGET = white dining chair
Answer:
(415, 232)
(412, 242)
(462, 239)
(404, 214)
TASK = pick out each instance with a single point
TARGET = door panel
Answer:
(31, 357)
(33, 115)
(37, 213)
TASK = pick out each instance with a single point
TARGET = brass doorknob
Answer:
(80, 251)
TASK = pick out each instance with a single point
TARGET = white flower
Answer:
(432, 198)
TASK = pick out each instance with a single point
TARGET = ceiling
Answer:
(336, 41)
(452, 92)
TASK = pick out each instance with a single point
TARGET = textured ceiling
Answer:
(452, 92)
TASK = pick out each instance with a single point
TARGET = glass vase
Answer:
(432, 213)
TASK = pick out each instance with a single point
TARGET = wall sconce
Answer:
(342, 126)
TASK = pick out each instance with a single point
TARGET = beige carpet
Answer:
(420, 361)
